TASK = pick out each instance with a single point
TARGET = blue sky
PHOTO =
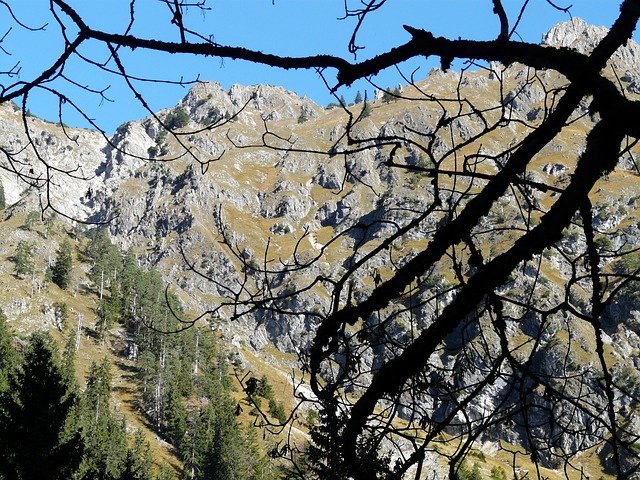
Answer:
(286, 27)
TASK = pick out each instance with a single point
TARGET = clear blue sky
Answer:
(286, 27)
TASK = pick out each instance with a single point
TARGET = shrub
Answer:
(366, 110)
(603, 243)
(176, 119)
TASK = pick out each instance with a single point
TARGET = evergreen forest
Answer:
(54, 425)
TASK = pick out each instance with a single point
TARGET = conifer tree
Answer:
(23, 259)
(358, 98)
(109, 310)
(34, 441)
(61, 270)
(366, 110)
(7, 354)
(3, 200)
(104, 432)
(139, 461)
(107, 261)
(33, 218)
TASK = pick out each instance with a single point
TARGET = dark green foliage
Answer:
(265, 390)
(7, 355)
(162, 137)
(498, 473)
(366, 110)
(389, 95)
(276, 409)
(139, 461)
(303, 117)
(213, 115)
(463, 472)
(109, 310)
(61, 311)
(61, 270)
(3, 200)
(223, 451)
(358, 98)
(177, 119)
(104, 433)
(34, 440)
(603, 243)
(184, 380)
(49, 223)
(323, 459)
(628, 263)
(68, 361)
(105, 258)
(122, 128)
(23, 259)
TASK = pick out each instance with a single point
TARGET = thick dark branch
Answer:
(451, 233)
(599, 158)
(205, 49)
(498, 9)
(575, 66)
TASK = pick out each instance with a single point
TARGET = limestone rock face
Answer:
(73, 155)
(578, 35)
(575, 34)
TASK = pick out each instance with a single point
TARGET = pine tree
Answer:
(109, 310)
(103, 430)
(176, 419)
(7, 355)
(23, 259)
(61, 311)
(3, 200)
(107, 261)
(366, 110)
(33, 218)
(34, 440)
(69, 360)
(139, 461)
(61, 270)
(358, 98)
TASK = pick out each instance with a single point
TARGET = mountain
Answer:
(243, 187)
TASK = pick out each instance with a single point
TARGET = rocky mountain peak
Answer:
(578, 35)
(273, 101)
(575, 34)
